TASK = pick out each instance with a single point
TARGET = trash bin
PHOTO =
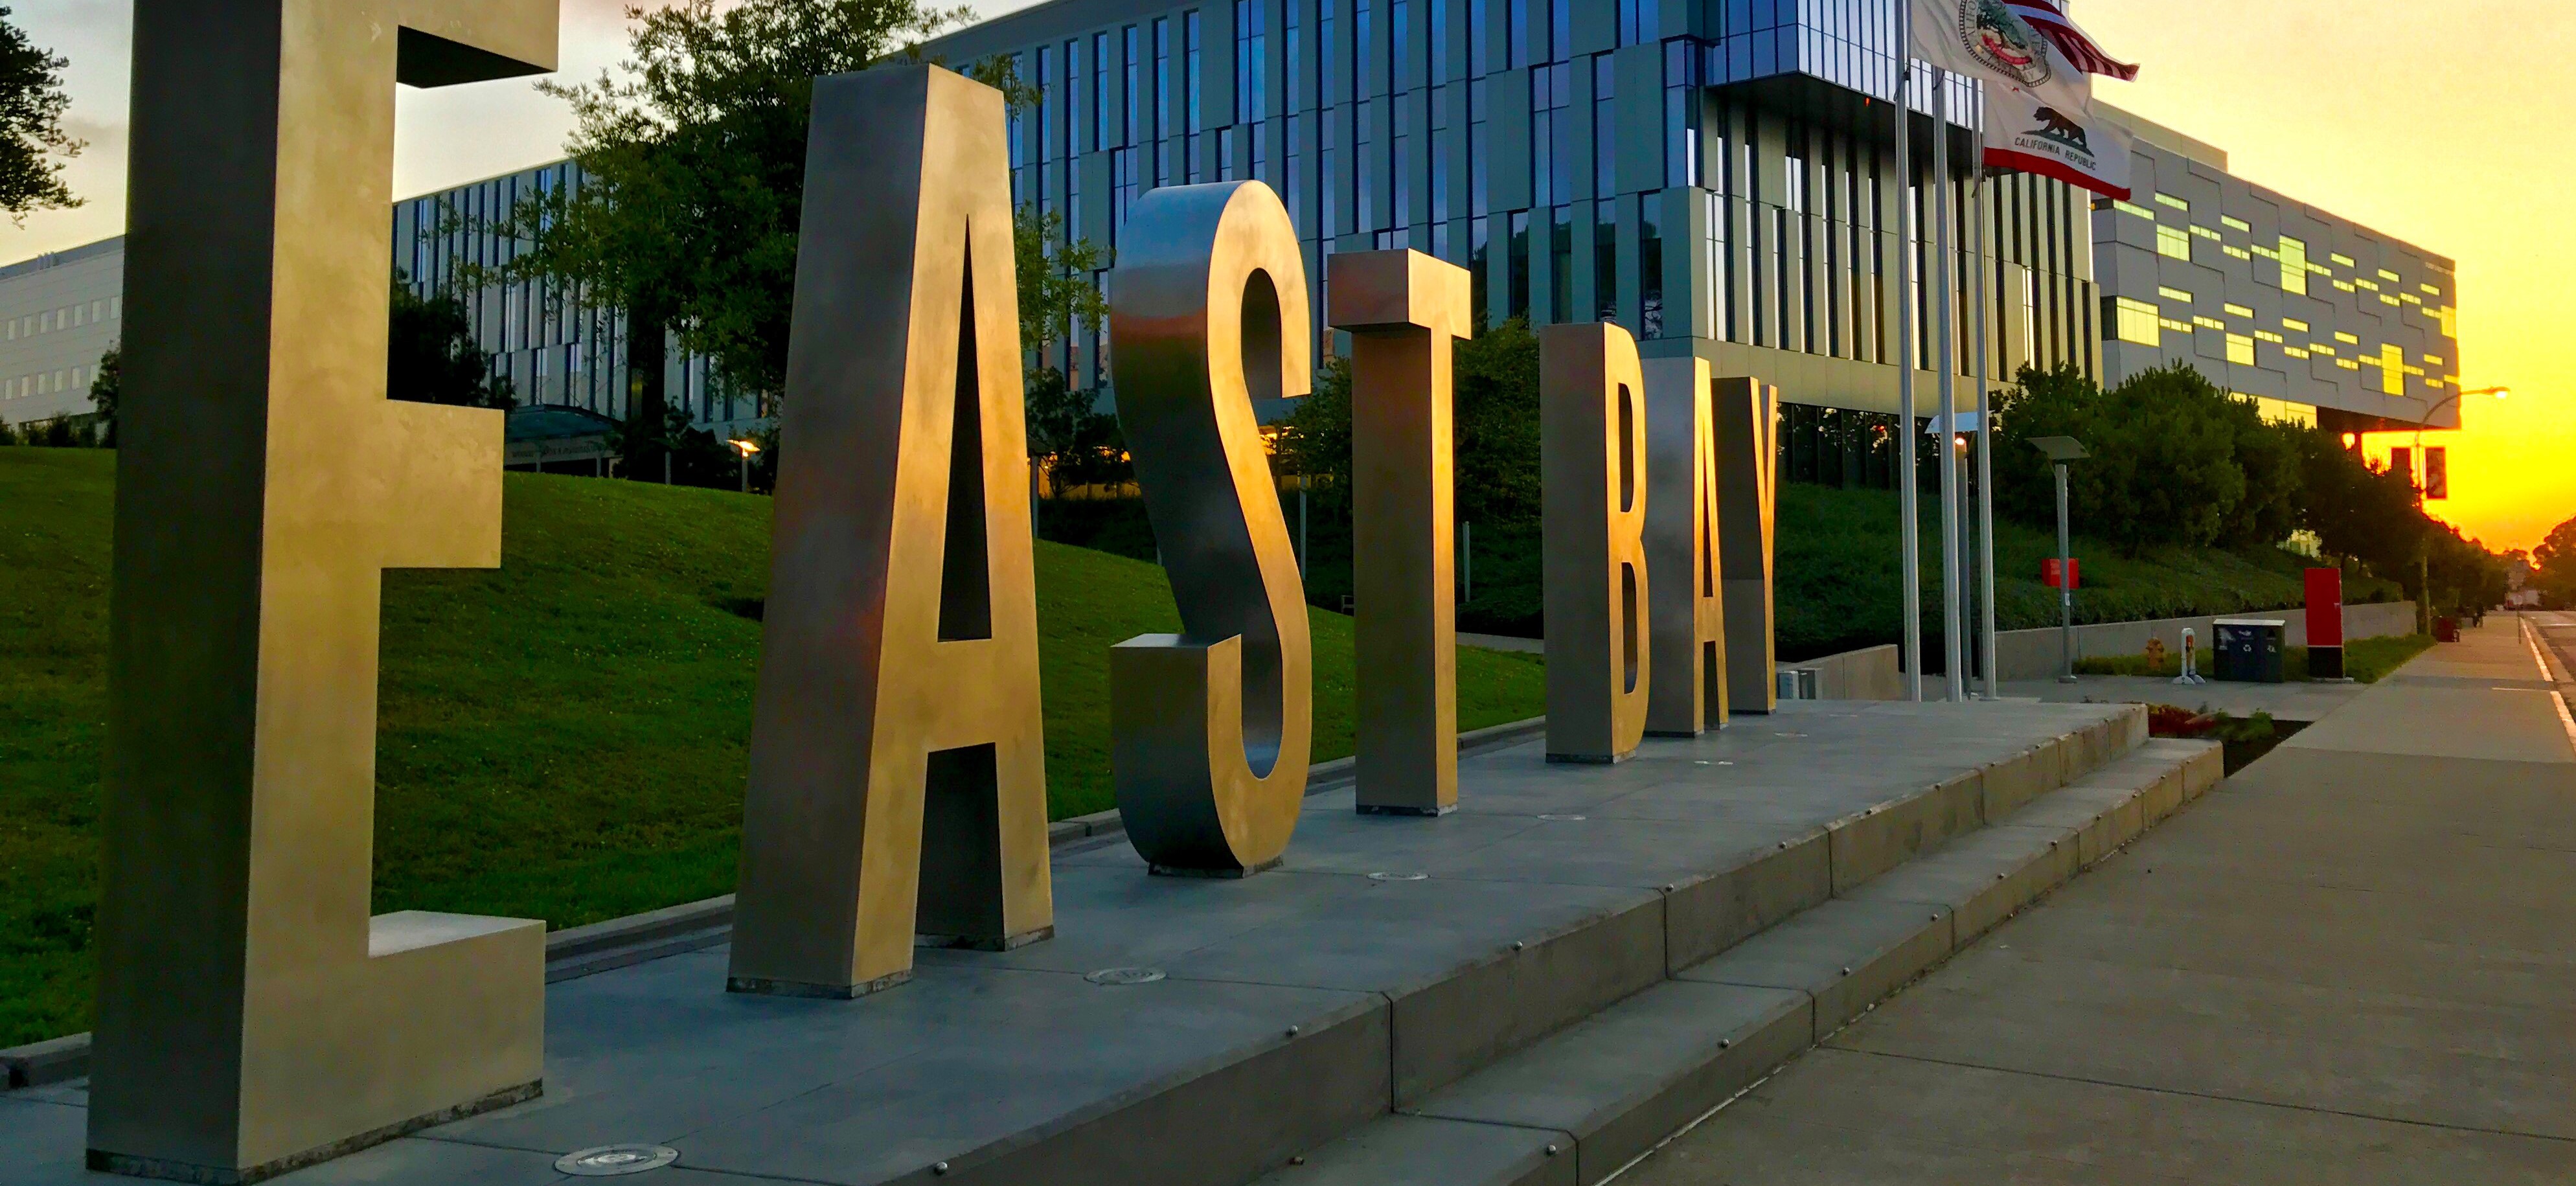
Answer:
(2249, 649)
(2446, 630)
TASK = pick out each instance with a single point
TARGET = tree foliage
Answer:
(2174, 460)
(693, 152)
(432, 356)
(1494, 425)
(2553, 566)
(33, 145)
(1079, 444)
(104, 390)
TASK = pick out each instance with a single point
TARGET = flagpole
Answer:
(1947, 358)
(1986, 638)
(1908, 485)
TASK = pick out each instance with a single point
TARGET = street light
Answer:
(2062, 450)
(2424, 544)
(746, 448)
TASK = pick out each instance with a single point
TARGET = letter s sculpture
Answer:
(1210, 728)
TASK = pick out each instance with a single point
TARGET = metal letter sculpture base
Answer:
(1682, 551)
(898, 762)
(1404, 310)
(1210, 729)
(251, 1017)
(1593, 472)
(1745, 419)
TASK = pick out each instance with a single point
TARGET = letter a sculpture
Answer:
(1404, 310)
(1593, 473)
(898, 766)
(1210, 728)
(252, 1017)
(1682, 551)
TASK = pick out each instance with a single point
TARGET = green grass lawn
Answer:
(561, 738)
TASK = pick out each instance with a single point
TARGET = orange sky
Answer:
(2445, 124)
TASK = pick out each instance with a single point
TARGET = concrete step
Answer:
(1368, 1005)
(1599, 1094)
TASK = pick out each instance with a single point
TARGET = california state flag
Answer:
(2036, 67)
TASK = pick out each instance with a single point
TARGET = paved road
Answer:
(2355, 963)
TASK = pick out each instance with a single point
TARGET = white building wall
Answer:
(58, 314)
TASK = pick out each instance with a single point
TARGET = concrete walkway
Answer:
(2354, 963)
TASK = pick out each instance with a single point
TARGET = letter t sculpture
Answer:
(1404, 310)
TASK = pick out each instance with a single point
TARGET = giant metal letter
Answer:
(1682, 551)
(1210, 728)
(251, 1016)
(1748, 457)
(898, 766)
(1593, 470)
(1404, 310)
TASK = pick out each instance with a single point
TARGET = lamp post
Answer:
(2424, 543)
(745, 447)
(2062, 450)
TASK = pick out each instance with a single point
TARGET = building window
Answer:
(1650, 266)
(1251, 63)
(2234, 310)
(1190, 91)
(2240, 350)
(1605, 127)
(1516, 258)
(2134, 321)
(2176, 203)
(2173, 242)
(1605, 260)
(2175, 294)
(2234, 224)
(1560, 260)
(2294, 266)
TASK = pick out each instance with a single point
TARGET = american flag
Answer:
(2049, 17)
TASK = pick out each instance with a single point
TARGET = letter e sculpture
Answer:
(1210, 728)
(252, 1017)
(1593, 475)
(1404, 310)
(898, 765)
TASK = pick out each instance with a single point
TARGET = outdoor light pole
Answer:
(2424, 543)
(745, 448)
(1910, 548)
(2062, 450)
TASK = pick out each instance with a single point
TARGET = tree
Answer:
(1494, 428)
(694, 159)
(33, 145)
(2553, 566)
(103, 391)
(432, 356)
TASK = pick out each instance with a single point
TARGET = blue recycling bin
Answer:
(2249, 649)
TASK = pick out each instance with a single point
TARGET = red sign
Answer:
(2325, 607)
(2074, 569)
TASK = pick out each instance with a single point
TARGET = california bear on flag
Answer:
(2037, 67)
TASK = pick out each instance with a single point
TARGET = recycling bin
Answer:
(2249, 649)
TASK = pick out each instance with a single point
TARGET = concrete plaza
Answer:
(2352, 964)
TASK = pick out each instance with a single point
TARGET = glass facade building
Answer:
(1716, 175)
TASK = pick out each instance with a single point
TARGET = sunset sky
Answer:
(2441, 124)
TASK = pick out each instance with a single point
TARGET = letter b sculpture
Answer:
(1210, 728)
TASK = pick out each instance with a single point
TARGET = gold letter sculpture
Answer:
(1682, 551)
(1593, 473)
(1210, 729)
(898, 765)
(251, 1016)
(1748, 457)
(1404, 310)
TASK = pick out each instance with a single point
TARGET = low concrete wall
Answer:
(1871, 673)
(1876, 673)
(2035, 654)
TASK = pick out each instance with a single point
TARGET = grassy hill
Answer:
(561, 738)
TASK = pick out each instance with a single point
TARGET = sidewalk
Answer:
(2352, 964)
